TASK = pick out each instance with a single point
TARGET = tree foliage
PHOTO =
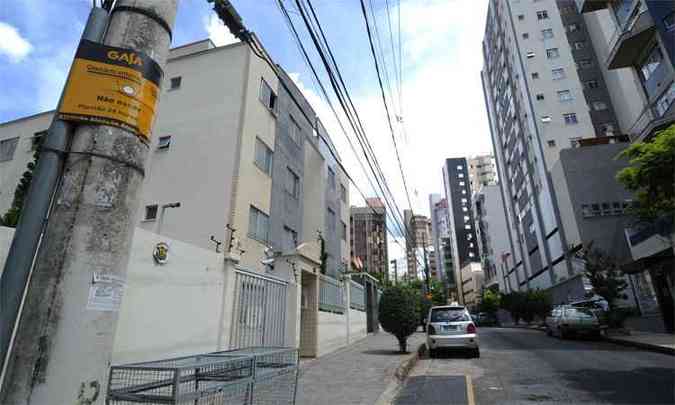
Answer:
(490, 301)
(398, 314)
(11, 217)
(604, 275)
(527, 305)
(651, 176)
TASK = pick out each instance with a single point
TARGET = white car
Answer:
(450, 326)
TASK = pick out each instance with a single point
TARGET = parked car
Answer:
(451, 326)
(566, 320)
(486, 319)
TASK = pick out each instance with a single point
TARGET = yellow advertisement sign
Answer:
(112, 86)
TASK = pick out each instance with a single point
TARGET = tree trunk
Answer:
(403, 345)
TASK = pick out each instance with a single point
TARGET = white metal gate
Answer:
(259, 313)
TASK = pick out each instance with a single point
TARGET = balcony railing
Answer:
(649, 119)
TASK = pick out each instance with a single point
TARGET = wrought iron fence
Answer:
(331, 295)
(357, 296)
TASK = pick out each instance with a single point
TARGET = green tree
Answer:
(398, 314)
(11, 217)
(604, 275)
(513, 302)
(490, 301)
(651, 176)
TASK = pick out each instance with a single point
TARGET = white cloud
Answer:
(218, 32)
(13, 45)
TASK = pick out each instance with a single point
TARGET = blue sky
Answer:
(442, 102)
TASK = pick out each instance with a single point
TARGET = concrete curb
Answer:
(640, 345)
(402, 371)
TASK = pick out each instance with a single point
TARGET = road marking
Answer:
(469, 391)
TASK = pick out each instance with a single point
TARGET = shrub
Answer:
(398, 314)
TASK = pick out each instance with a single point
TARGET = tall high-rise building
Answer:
(369, 236)
(417, 240)
(544, 91)
(440, 236)
(482, 171)
(460, 217)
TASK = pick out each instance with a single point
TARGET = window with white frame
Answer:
(461, 183)
(267, 96)
(175, 82)
(7, 148)
(542, 15)
(546, 119)
(467, 226)
(460, 175)
(552, 53)
(558, 73)
(258, 225)
(263, 156)
(164, 142)
(530, 55)
(570, 119)
(564, 95)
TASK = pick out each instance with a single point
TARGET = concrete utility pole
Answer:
(64, 344)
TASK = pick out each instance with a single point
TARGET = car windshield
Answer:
(448, 315)
(580, 312)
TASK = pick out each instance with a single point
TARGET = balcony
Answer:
(650, 239)
(631, 38)
(654, 117)
(587, 6)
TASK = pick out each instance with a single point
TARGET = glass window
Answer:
(343, 229)
(607, 129)
(461, 183)
(558, 73)
(570, 119)
(564, 95)
(535, 75)
(290, 238)
(466, 218)
(37, 140)
(267, 96)
(595, 209)
(464, 200)
(546, 119)
(585, 210)
(343, 193)
(331, 221)
(592, 84)
(521, 17)
(580, 45)
(7, 148)
(467, 226)
(463, 191)
(540, 96)
(573, 27)
(616, 208)
(294, 131)
(552, 53)
(460, 175)
(606, 210)
(599, 105)
(464, 209)
(331, 178)
(263, 156)
(175, 82)
(547, 33)
(584, 63)
(151, 212)
(258, 225)
(574, 142)
(669, 21)
(460, 167)
(164, 142)
(449, 315)
(542, 15)
(664, 102)
(526, 35)
(471, 254)
(551, 143)
(292, 183)
(530, 55)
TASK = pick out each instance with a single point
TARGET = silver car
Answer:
(567, 320)
(450, 326)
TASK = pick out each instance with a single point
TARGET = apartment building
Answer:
(418, 240)
(544, 91)
(460, 216)
(233, 147)
(482, 171)
(369, 236)
(492, 237)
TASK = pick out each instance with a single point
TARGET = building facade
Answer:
(544, 91)
(482, 171)
(369, 236)
(460, 216)
(417, 241)
(492, 237)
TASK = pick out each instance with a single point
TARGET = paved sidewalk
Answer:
(659, 342)
(357, 374)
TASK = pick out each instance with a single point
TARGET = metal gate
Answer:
(259, 317)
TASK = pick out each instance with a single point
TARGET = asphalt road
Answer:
(526, 366)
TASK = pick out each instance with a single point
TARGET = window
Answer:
(542, 15)
(467, 226)
(664, 102)
(584, 63)
(461, 183)
(607, 129)
(463, 191)
(331, 178)
(530, 55)
(471, 254)
(263, 156)
(573, 27)
(564, 95)
(546, 119)
(579, 45)
(599, 105)
(616, 208)
(37, 140)
(595, 209)
(574, 142)
(547, 33)
(606, 209)
(292, 183)
(267, 96)
(535, 75)
(175, 82)
(570, 119)
(526, 35)
(551, 143)
(290, 240)
(558, 73)
(460, 175)
(7, 148)
(585, 210)
(592, 84)
(460, 167)
(164, 142)
(540, 96)
(464, 201)
(258, 225)
(669, 21)
(343, 229)
(651, 63)
(521, 17)
(465, 209)
(151, 212)
(469, 237)
(466, 218)
(552, 53)
(294, 131)
(343, 193)
(331, 221)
